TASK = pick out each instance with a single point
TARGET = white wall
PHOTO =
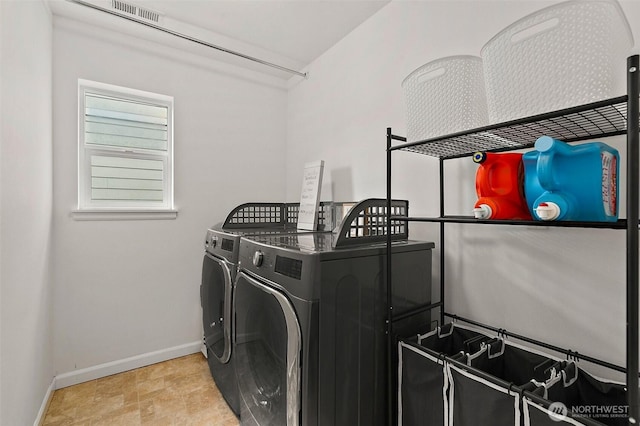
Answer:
(528, 280)
(125, 288)
(26, 364)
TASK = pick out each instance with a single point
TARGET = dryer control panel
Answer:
(222, 245)
(289, 267)
(295, 272)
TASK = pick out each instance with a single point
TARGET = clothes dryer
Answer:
(310, 342)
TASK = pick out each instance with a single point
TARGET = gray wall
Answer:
(26, 363)
(126, 288)
(566, 287)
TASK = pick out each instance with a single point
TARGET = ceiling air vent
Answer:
(132, 9)
(148, 14)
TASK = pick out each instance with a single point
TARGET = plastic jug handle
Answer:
(482, 180)
(543, 167)
(547, 143)
(548, 147)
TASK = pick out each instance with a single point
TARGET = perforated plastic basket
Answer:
(445, 96)
(565, 55)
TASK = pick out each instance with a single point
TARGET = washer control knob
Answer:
(214, 241)
(258, 258)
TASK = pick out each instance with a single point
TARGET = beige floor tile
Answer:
(164, 406)
(200, 400)
(130, 397)
(178, 392)
(147, 412)
(129, 415)
(148, 388)
(59, 410)
(52, 419)
(211, 417)
(186, 384)
(155, 371)
(100, 408)
(71, 395)
(164, 421)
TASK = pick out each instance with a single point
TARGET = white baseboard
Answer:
(107, 369)
(45, 403)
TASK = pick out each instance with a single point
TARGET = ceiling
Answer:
(296, 30)
(299, 29)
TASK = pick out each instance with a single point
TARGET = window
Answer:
(125, 160)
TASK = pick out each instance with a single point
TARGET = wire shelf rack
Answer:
(602, 119)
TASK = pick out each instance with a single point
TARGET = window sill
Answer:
(124, 214)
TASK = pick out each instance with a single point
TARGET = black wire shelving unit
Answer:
(610, 117)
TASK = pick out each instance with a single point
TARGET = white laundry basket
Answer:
(561, 56)
(445, 96)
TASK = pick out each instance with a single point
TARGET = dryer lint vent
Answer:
(132, 9)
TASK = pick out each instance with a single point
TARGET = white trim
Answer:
(424, 354)
(475, 378)
(86, 150)
(471, 357)
(114, 367)
(203, 348)
(445, 378)
(525, 412)
(455, 325)
(123, 214)
(451, 396)
(471, 376)
(45, 403)
(526, 403)
(400, 345)
(111, 89)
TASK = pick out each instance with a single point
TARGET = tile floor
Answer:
(176, 392)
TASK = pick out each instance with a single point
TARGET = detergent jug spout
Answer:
(548, 211)
(483, 211)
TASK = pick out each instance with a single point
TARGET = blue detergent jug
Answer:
(572, 183)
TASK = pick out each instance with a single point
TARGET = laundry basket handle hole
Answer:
(430, 75)
(534, 30)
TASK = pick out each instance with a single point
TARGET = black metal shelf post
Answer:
(389, 321)
(610, 117)
(633, 158)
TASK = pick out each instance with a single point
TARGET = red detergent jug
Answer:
(499, 185)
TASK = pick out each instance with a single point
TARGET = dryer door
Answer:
(267, 354)
(215, 297)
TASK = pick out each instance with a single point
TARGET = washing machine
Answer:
(219, 268)
(309, 324)
(218, 275)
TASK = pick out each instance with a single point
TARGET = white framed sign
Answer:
(310, 196)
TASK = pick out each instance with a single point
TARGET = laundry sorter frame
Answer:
(604, 118)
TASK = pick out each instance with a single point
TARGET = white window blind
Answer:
(126, 124)
(126, 149)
